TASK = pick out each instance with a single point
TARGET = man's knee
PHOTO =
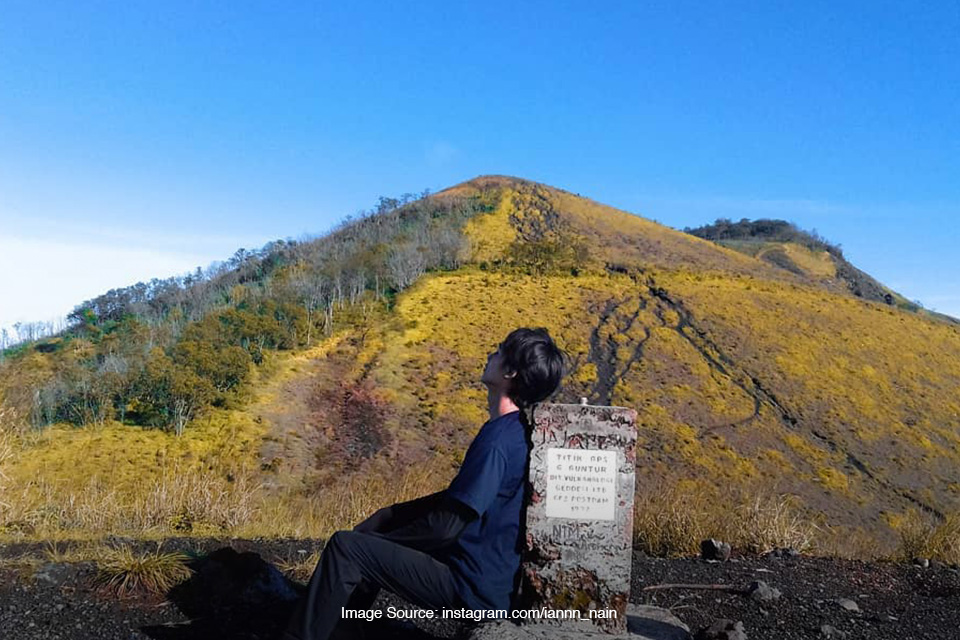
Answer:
(363, 527)
(376, 522)
(341, 542)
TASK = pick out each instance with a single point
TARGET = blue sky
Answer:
(140, 140)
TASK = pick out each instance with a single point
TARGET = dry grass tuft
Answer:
(6, 452)
(854, 543)
(124, 571)
(921, 537)
(10, 420)
(8, 443)
(54, 553)
(192, 501)
(770, 522)
(182, 500)
(339, 507)
(300, 567)
(673, 520)
(6, 455)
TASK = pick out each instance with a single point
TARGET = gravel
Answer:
(819, 597)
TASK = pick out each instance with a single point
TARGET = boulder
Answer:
(643, 623)
(714, 550)
(722, 629)
(848, 604)
(762, 592)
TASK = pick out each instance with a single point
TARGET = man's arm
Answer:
(470, 494)
(436, 521)
(433, 528)
(399, 514)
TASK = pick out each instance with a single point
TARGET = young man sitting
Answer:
(458, 548)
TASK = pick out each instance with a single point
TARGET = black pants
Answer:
(353, 567)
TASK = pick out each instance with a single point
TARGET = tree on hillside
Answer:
(170, 394)
(406, 263)
(764, 229)
(119, 376)
(225, 367)
(158, 352)
(75, 395)
(309, 289)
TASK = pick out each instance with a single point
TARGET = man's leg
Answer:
(351, 557)
(380, 523)
(366, 592)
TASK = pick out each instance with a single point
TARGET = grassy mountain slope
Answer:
(805, 254)
(747, 376)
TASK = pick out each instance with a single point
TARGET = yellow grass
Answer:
(672, 520)
(125, 571)
(338, 507)
(817, 263)
(923, 537)
(180, 500)
(6, 454)
(771, 522)
(24, 564)
(622, 237)
(300, 567)
(490, 234)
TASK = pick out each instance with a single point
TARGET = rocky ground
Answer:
(819, 597)
(236, 596)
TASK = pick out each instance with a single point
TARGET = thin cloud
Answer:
(441, 153)
(43, 280)
(140, 239)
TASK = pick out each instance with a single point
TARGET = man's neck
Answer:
(500, 404)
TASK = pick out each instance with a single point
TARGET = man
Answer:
(455, 548)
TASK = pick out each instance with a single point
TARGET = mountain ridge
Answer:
(327, 364)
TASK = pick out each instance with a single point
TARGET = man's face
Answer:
(494, 374)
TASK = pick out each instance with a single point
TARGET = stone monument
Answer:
(579, 517)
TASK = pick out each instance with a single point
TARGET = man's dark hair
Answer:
(538, 361)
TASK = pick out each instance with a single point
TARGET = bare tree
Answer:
(406, 263)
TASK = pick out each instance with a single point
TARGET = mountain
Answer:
(782, 244)
(758, 361)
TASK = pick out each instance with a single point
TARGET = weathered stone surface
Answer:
(52, 572)
(722, 630)
(643, 623)
(848, 604)
(654, 623)
(828, 631)
(579, 519)
(762, 592)
(714, 550)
